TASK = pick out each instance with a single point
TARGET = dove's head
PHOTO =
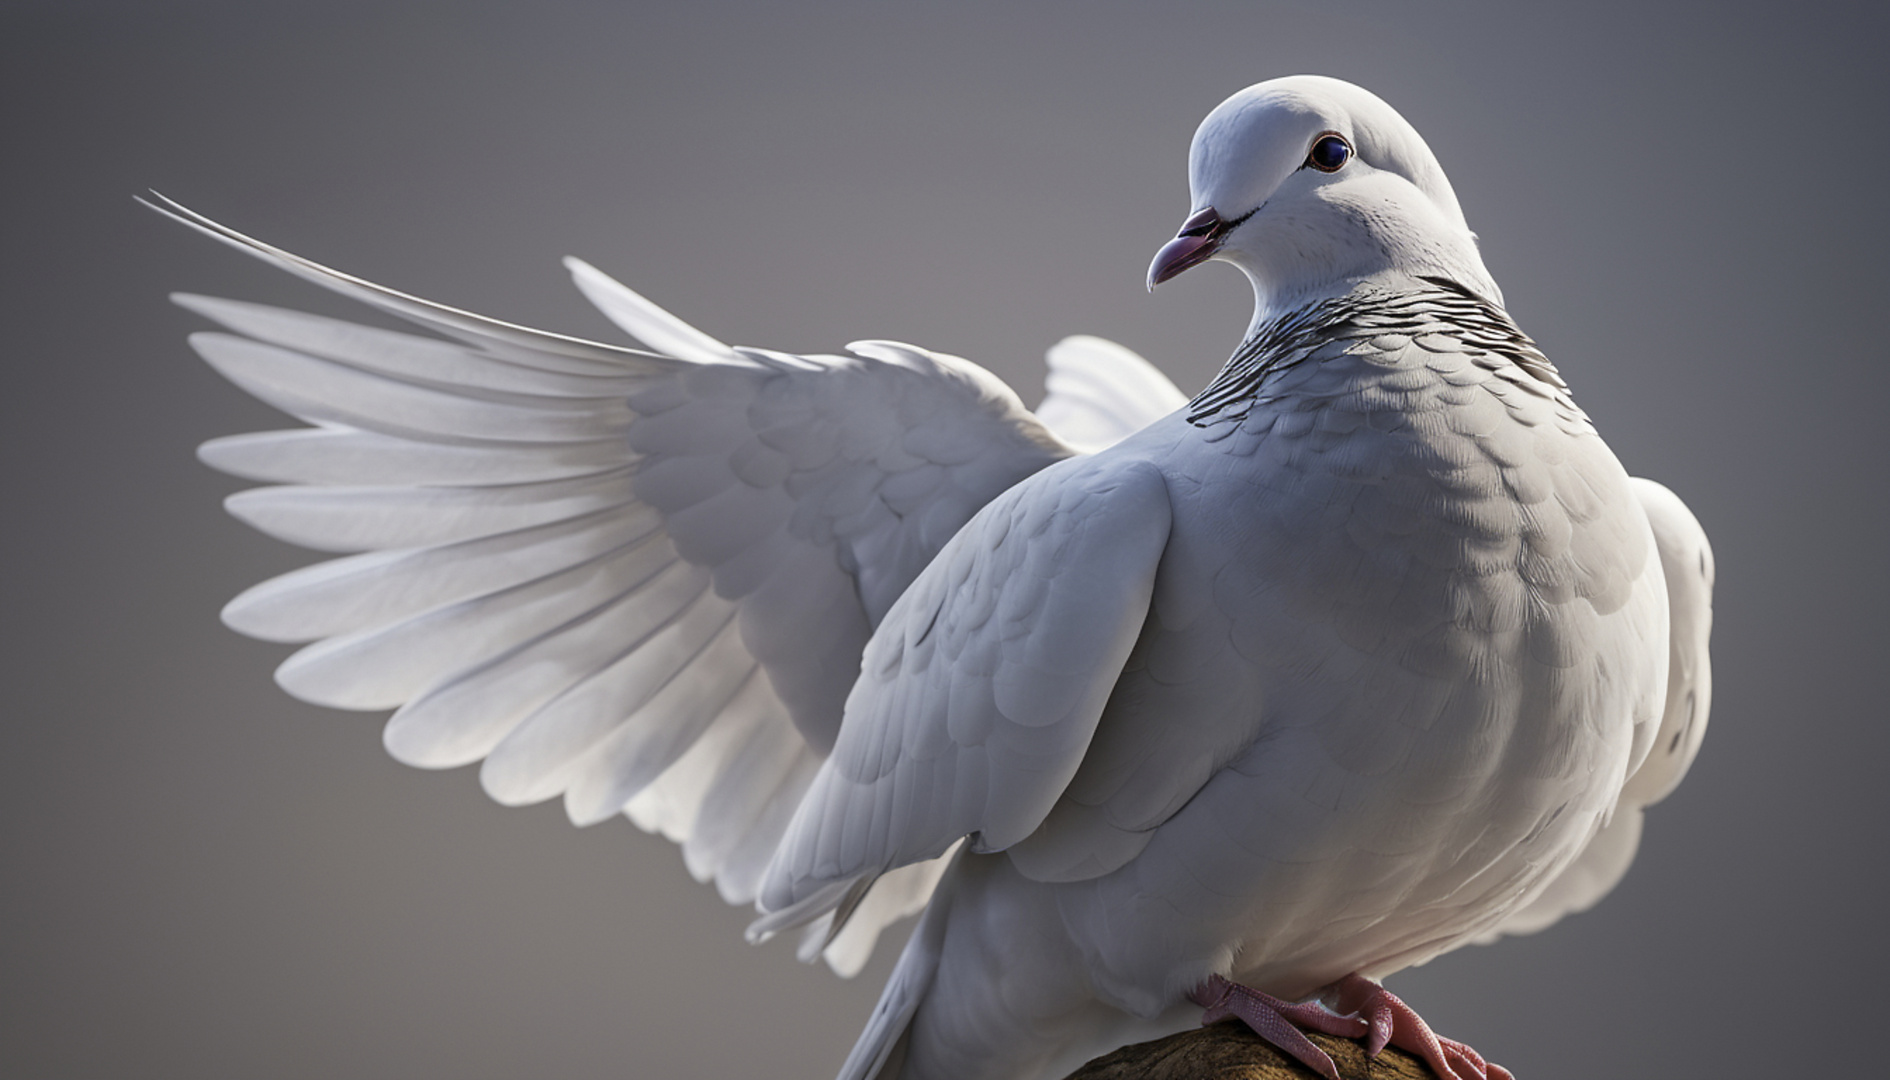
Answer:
(1307, 183)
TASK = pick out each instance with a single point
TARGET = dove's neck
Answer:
(1274, 300)
(1322, 326)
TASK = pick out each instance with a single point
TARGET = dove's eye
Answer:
(1329, 153)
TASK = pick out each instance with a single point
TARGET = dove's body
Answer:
(1358, 656)
(1393, 674)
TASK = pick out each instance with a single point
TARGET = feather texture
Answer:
(974, 715)
(1099, 393)
(639, 581)
(1369, 650)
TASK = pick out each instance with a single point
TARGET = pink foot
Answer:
(1278, 1021)
(1394, 1023)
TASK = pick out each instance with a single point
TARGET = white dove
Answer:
(1370, 650)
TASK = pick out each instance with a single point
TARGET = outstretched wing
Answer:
(1686, 561)
(1100, 392)
(641, 582)
(979, 693)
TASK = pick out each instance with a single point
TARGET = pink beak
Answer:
(1199, 239)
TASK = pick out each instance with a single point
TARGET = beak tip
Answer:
(1179, 254)
(1199, 239)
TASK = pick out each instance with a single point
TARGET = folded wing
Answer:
(981, 689)
(1686, 562)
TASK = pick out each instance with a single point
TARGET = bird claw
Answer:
(1360, 1008)
(1277, 1021)
(1476, 1065)
(1392, 1022)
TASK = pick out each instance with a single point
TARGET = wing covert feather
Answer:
(979, 692)
(1686, 562)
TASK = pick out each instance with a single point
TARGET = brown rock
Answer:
(1228, 1051)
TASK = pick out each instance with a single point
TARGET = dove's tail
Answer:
(881, 1047)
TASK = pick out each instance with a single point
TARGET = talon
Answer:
(1382, 1027)
(1359, 1008)
(1393, 1023)
(1470, 1057)
(1276, 1020)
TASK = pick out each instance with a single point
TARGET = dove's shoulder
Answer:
(978, 693)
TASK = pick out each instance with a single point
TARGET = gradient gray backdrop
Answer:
(203, 879)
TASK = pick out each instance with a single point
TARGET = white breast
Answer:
(1403, 639)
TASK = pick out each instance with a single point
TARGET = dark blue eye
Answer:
(1330, 152)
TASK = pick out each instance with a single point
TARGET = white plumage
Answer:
(1369, 650)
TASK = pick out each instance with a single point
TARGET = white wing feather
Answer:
(979, 693)
(643, 320)
(1686, 562)
(1099, 393)
(639, 580)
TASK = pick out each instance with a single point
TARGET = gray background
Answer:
(201, 878)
